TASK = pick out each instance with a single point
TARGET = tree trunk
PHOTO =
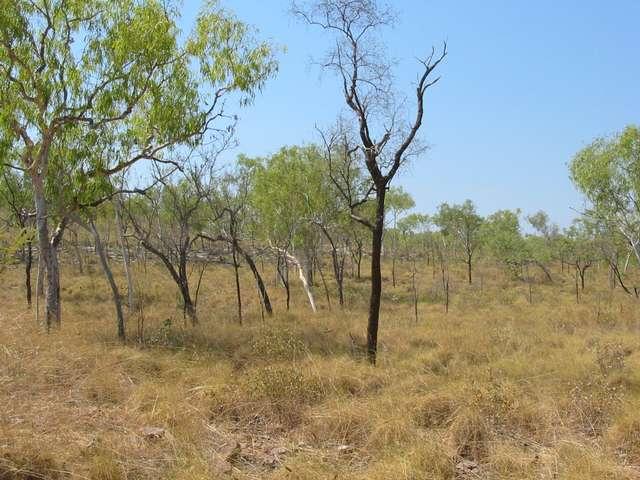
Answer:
(28, 261)
(376, 277)
(48, 257)
(324, 283)
(338, 266)
(415, 290)
(469, 261)
(266, 302)
(303, 279)
(284, 277)
(545, 270)
(338, 269)
(237, 278)
(115, 293)
(189, 308)
(393, 269)
(39, 287)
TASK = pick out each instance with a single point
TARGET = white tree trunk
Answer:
(301, 274)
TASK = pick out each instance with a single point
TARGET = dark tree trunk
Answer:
(28, 262)
(284, 276)
(469, 269)
(415, 290)
(180, 277)
(338, 267)
(393, 270)
(266, 302)
(376, 277)
(189, 307)
(237, 278)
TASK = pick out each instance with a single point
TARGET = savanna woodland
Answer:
(172, 308)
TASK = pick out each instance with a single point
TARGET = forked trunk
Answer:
(189, 307)
(48, 256)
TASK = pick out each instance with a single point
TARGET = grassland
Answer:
(498, 388)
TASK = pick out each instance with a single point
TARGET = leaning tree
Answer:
(385, 142)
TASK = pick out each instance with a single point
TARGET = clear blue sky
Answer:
(525, 85)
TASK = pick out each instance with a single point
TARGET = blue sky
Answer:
(525, 86)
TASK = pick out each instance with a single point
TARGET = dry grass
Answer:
(497, 389)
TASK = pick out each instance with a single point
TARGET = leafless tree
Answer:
(384, 141)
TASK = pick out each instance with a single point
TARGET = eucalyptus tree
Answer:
(285, 191)
(327, 211)
(463, 224)
(582, 251)
(611, 246)
(607, 172)
(384, 140)
(78, 70)
(503, 239)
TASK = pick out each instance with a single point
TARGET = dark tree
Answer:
(384, 141)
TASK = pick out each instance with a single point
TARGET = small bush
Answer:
(279, 344)
(434, 411)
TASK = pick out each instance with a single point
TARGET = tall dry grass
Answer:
(498, 388)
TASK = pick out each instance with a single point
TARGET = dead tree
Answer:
(384, 142)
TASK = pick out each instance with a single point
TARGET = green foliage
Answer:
(579, 243)
(607, 172)
(289, 191)
(89, 87)
(398, 201)
(461, 223)
(503, 239)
